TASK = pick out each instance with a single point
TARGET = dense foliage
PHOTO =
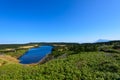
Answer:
(98, 61)
(83, 66)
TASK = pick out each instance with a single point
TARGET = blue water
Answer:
(34, 55)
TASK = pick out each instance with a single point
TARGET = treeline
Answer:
(4, 46)
(74, 48)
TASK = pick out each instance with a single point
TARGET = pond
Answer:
(34, 55)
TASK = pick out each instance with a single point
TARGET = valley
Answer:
(73, 61)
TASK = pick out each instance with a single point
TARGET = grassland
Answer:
(99, 61)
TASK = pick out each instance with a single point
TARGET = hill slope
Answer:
(83, 66)
(102, 40)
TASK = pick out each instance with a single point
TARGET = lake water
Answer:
(34, 55)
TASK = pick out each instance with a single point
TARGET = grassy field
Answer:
(83, 66)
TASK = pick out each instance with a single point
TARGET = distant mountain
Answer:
(102, 40)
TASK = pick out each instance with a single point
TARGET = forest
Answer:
(68, 61)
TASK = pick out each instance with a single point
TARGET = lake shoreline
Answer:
(37, 55)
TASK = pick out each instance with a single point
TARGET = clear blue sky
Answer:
(59, 20)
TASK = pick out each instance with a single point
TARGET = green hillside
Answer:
(98, 61)
(83, 66)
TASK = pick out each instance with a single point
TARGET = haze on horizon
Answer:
(24, 21)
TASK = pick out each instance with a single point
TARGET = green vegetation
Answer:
(83, 66)
(15, 50)
(14, 53)
(17, 53)
(98, 61)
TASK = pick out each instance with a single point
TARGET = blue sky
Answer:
(24, 21)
